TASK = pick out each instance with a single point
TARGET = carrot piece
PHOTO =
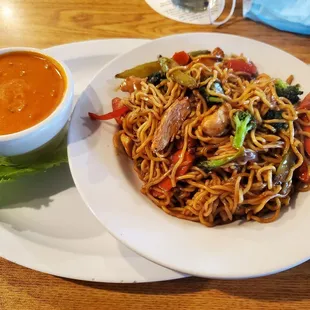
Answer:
(187, 163)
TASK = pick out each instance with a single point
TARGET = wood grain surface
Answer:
(24, 289)
(43, 23)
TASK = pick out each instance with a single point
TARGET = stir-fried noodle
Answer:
(213, 141)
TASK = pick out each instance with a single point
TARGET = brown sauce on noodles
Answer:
(240, 188)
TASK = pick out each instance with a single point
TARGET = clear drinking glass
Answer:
(192, 5)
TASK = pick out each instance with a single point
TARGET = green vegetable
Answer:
(166, 63)
(155, 78)
(216, 163)
(12, 168)
(284, 167)
(141, 71)
(273, 114)
(290, 92)
(199, 52)
(178, 76)
(213, 100)
(216, 87)
(244, 123)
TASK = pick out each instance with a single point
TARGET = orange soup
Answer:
(31, 88)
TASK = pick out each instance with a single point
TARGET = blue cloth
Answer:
(287, 15)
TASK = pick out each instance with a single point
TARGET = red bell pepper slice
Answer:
(116, 105)
(307, 140)
(119, 109)
(182, 58)
(305, 105)
(303, 173)
(110, 115)
(239, 65)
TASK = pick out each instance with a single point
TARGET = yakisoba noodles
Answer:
(212, 140)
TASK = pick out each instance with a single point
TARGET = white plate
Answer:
(44, 224)
(111, 189)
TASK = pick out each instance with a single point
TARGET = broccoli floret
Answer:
(208, 165)
(273, 114)
(244, 123)
(290, 92)
(155, 78)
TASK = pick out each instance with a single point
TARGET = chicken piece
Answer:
(218, 52)
(127, 144)
(131, 84)
(215, 125)
(170, 123)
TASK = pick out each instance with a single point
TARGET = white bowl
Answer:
(108, 183)
(38, 135)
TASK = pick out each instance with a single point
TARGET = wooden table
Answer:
(45, 23)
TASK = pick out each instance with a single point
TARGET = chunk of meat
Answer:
(131, 84)
(218, 52)
(207, 61)
(215, 125)
(127, 144)
(13, 93)
(170, 123)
